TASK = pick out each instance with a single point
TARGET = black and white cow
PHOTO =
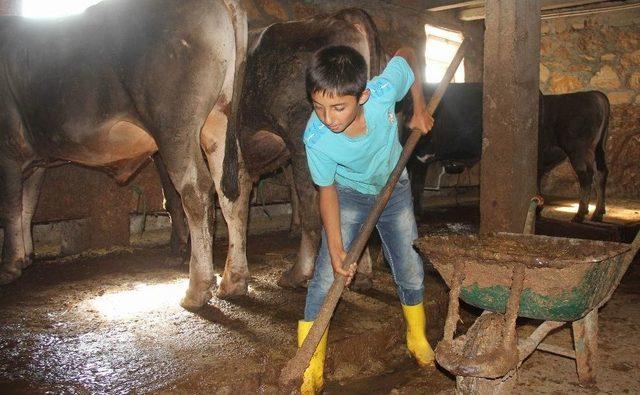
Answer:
(572, 125)
(274, 111)
(110, 87)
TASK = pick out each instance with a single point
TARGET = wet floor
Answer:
(112, 324)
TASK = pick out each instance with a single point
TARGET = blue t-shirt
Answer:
(364, 162)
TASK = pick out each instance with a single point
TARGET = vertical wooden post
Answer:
(510, 113)
(585, 340)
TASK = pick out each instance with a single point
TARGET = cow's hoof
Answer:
(9, 275)
(290, 279)
(26, 262)
(194, 300)
(361, 283)
(578, 218)
(597, 217)
(233, 289)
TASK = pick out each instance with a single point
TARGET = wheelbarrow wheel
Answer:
(480, 340)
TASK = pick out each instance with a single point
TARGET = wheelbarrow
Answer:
(556, 280)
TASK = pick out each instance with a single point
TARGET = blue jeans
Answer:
(397, 229)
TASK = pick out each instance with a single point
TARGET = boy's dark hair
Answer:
(337, 70)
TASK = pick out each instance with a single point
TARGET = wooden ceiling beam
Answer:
(555, 8)
(443, 5)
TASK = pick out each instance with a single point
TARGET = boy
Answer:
(352, 147)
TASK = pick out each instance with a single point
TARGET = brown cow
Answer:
(110, 87)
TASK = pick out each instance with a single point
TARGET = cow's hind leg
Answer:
(188, 171)
(235, 279)
(295, 201)
(179, 241)
(13, 250)
(30, 193)
(584, 170)
(602, 173)
(302, 269)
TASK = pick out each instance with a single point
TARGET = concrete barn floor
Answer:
(112, 324)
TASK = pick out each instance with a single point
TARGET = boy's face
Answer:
(337, 112)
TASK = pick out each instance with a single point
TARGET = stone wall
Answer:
(598, 52)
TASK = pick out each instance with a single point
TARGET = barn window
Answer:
(54, 8)
(439, 50)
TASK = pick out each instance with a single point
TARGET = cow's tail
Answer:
(601, 163)
(231, 160)
(378, 58)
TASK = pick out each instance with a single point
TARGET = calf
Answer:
(575, 125)
(274, 110)
(572, 125)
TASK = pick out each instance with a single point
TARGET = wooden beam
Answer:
(555, 4)
(443, 5)
(555, 8)
(508, 168)
(446, 19)
(610, 7)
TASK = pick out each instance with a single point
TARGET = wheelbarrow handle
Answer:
(635, 246)
(530, 222)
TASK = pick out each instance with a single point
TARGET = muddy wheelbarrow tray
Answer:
(564, 278)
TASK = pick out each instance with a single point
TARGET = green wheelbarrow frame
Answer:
(559, 290)
(557, 280)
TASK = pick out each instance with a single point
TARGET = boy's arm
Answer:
(330, 213)
(421, 120)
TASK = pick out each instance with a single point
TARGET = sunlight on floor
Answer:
(143, 298)
(573, 208)
(615, 212)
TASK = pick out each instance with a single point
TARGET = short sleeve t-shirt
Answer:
(365, 162)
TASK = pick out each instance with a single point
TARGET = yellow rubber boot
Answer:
(313, 381)
(417, 342)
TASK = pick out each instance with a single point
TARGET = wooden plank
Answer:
(589, 231)
(606, 231)
(443, 5)
(550, 8)
(508, 168)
